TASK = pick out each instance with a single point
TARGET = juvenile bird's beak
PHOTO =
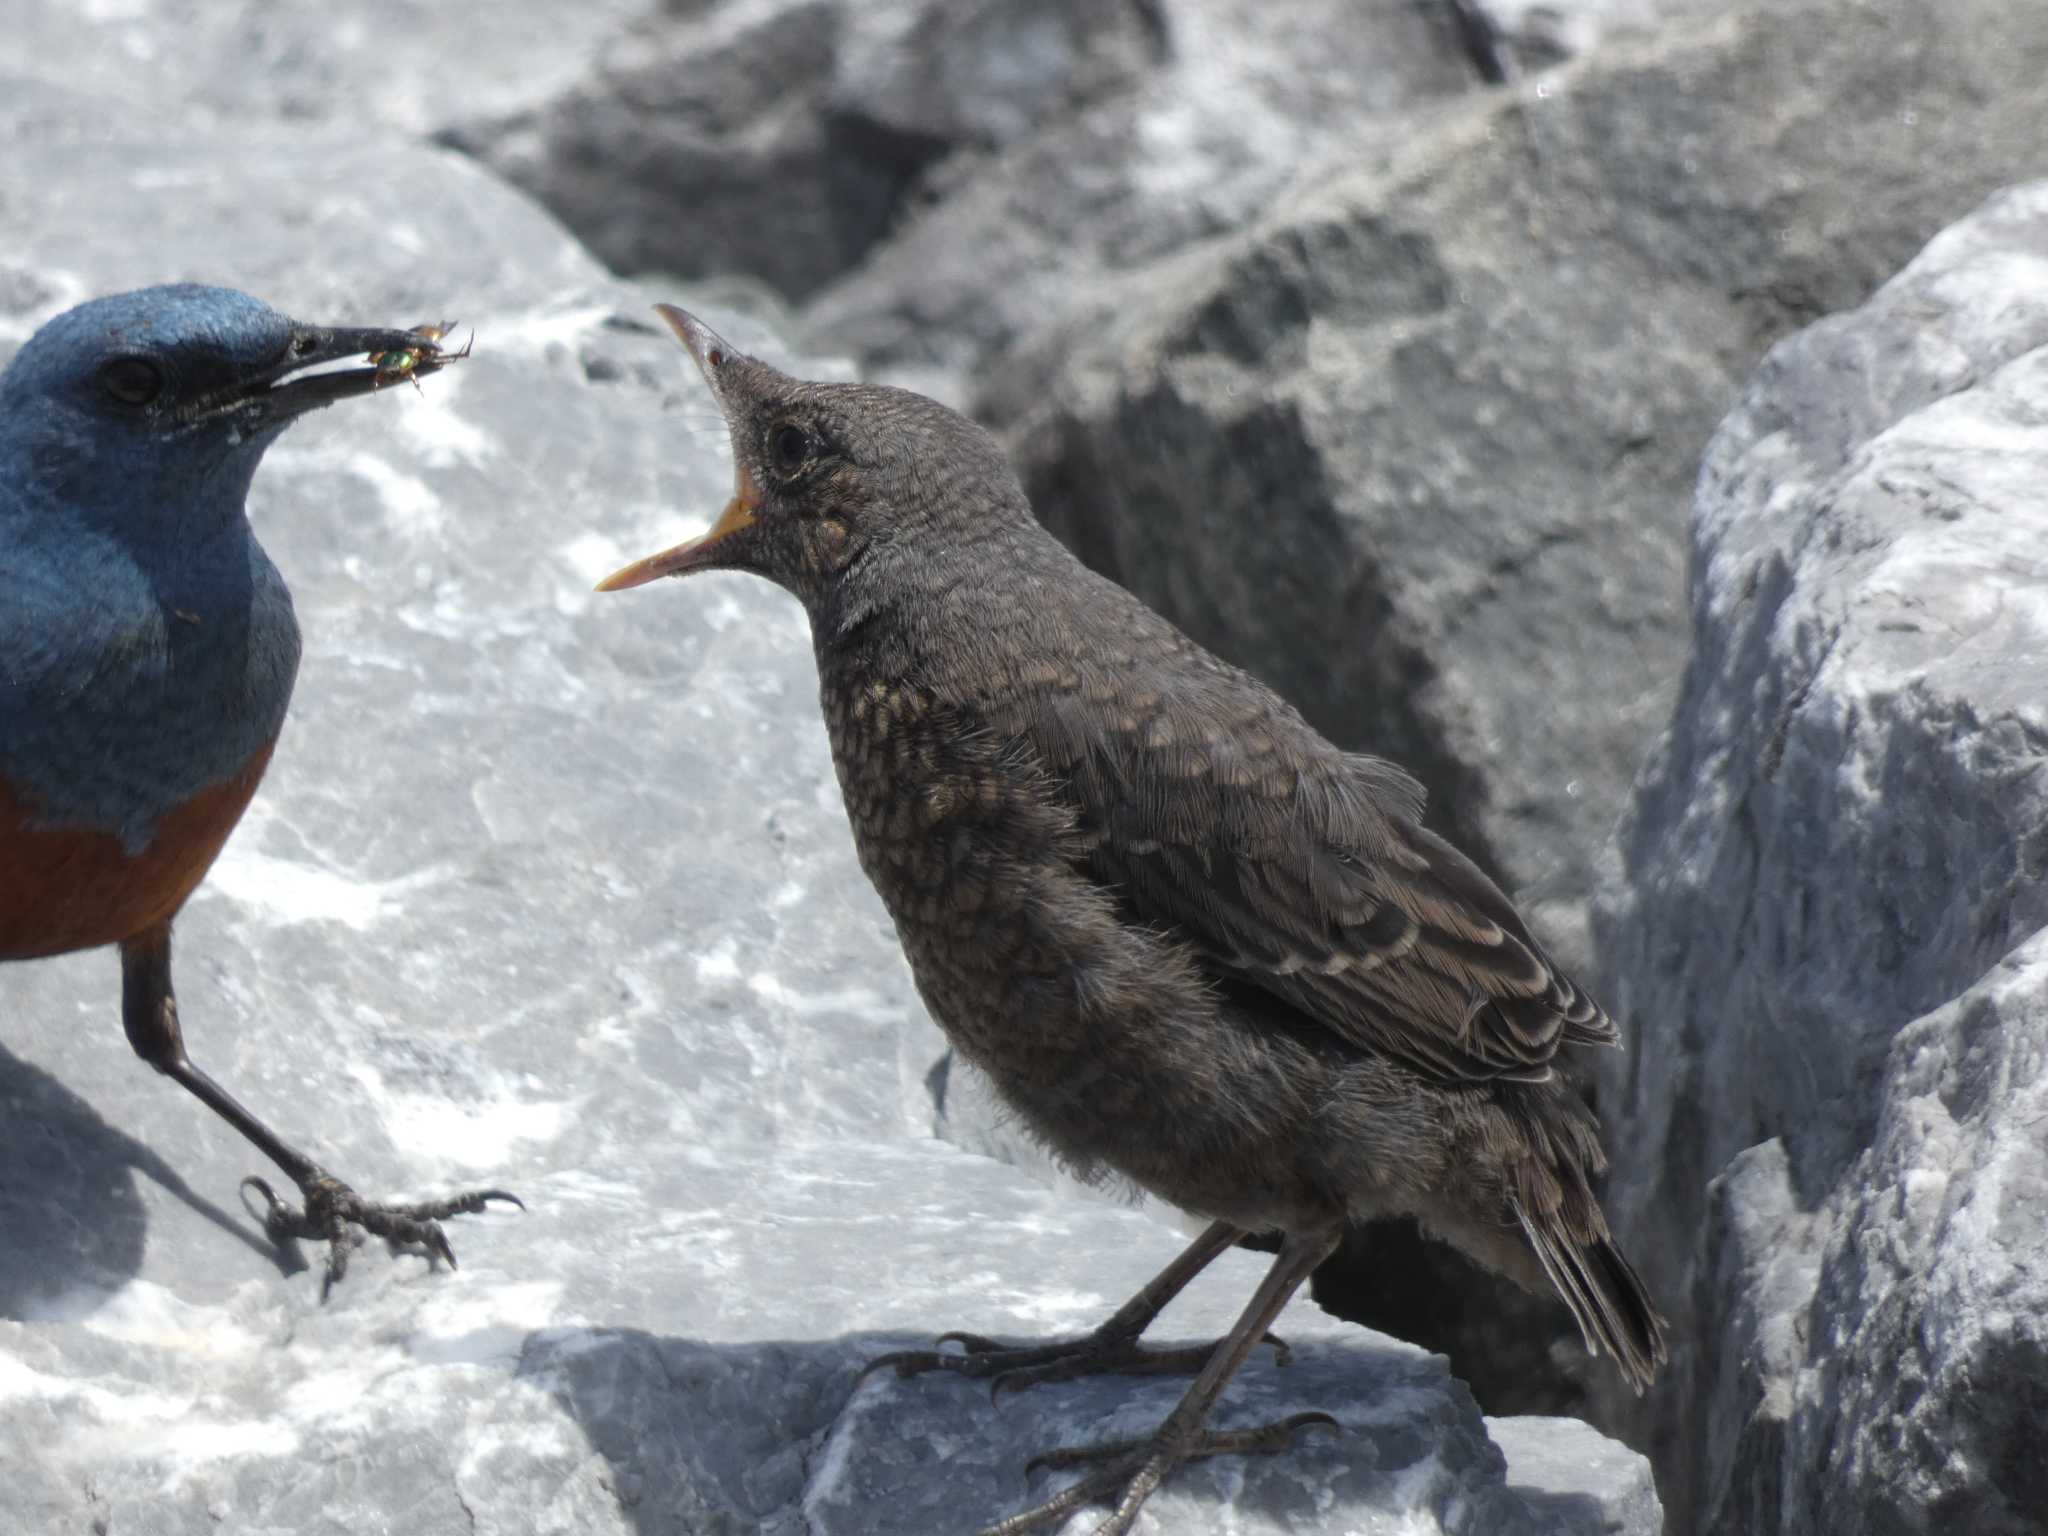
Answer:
(286, 389)
(709, 352)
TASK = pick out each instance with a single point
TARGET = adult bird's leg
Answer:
(1113, 1347)
(1131, 1469)
(149, 1010)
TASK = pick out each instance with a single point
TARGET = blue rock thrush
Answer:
(148, 648)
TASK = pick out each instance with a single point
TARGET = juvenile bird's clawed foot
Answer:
(1013, 1368)
(1130, 1470)
(336, 1215)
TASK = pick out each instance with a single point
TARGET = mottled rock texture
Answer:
(781, 140)
(1824, 930)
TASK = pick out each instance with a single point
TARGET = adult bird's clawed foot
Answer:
(1129, 1470)
(1014, 1368)
(332, 1210)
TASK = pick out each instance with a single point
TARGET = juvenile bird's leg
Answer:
(1113, 1347)
(149, 1010)
(1132, 1469)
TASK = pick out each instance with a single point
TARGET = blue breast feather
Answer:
(129, 683)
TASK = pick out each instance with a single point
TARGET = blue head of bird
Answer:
(147, 644)
(144, 413)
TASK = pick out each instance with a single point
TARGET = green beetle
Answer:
(403, 362)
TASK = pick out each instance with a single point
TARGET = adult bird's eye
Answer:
(132, 380)
(789, 448)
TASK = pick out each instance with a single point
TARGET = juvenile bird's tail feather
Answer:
(1606, 1297)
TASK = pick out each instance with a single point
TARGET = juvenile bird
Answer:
(148, 649)
(1191, 942)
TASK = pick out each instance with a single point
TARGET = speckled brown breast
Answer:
(946, 828)
(908, 783)
(68, 888)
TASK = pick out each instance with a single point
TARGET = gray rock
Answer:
(872, 1475)
(1539, 34)
(1844, 828)
(782, 138)
(389, 63)
(1922, 1399)
(1245, 95)
(1580, 1472)
(980, 74)
(555, 892)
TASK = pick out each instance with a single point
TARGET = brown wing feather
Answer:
(1215, 810)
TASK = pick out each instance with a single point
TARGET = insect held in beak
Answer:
(401, 362)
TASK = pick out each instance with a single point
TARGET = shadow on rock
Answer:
(775, 1438)
(70, 1211)
(1518, 1352)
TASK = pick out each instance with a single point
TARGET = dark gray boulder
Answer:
(781, 139)
(1242, 97)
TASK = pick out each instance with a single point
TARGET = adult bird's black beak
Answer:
(709, 352)
(286, 389)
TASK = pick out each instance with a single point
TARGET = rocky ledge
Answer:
(554, 892)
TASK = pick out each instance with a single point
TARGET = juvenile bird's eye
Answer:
(789, 448)
(132, 380)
